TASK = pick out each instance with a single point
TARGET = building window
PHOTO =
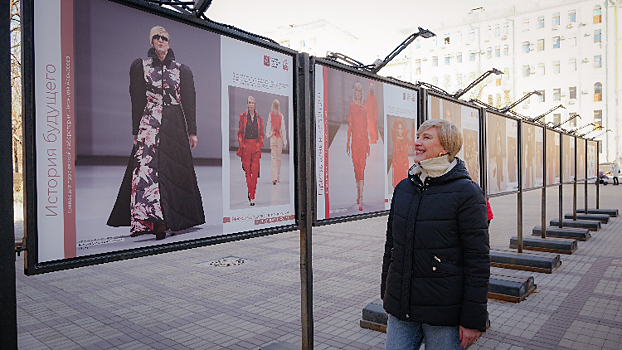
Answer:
(572, 92)
(597, 36)
(489, 31)
(506, 50)
(525, 46)
(447, 60)
(572, 16)
(557, 94)
(557, 118)
(489, 52)
(573, 122)
(498, 101)
(459, 57)
(526, 70)
(417, 44)
(556, 42)
(573, 64)
(598, 92)
(418, 66)
(540, 44)
(597, 15)
(541, 97)
(541, 22)
(598, 61)
(472, 56)
(490, 100)
(506, 28)
(472, 35)
(541, 69)
(446, 39)
(525, 24)
(556, 19)
(598, 119)
(497, 30)
(497, 51)
(556, 68)
(434, 61)
(498, 80)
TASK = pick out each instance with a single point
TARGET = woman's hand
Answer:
(468, 336)
(193, 141)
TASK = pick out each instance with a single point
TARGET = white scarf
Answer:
(433, 167)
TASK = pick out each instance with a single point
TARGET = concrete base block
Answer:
(509, 288)
(590, 225)
(551, 245)
(610, 212)
(525, 261)
(589, 217)
(374, 317)
(580, 234)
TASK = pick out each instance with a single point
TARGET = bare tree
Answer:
(16, 95)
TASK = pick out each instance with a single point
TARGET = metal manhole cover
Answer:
(227, 261)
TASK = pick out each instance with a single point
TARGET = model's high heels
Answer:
(361, 208)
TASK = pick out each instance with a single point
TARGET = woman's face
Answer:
(428, 145)
(250, 104)
(400, 130)
(358, 94)
(160, 42)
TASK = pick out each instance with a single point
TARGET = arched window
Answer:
(597, 14)
(598, 92)
(490, 100)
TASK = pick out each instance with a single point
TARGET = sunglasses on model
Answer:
(160, 37)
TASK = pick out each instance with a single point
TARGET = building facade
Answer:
(569, 51)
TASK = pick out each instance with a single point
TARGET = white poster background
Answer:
(321, 148)
(50, 189)
(592, 171)
(470, 147)
(402, 103)
(512, 142)
(539, 156)
(251, 67)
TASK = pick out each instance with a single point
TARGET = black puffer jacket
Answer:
(436, 262)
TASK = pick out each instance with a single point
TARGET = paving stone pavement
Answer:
(178, 301)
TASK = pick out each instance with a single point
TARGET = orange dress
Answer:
(357, 131)
(371, 104)
(400, 157)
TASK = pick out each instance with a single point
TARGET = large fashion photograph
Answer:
(581, 165)
(497, 146)
(147, 129)
(553, 161)
(354, 109)
(568, 158)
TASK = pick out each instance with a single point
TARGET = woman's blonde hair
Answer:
(360, 87)
(276, 107)
(449, 135)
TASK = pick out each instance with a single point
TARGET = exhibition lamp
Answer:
(601, 134)
(574, 131)
(566, 121)
(526, 96)
(461, 92)
(197, 7)
(537, 118)
(596, 127)
(379, 64)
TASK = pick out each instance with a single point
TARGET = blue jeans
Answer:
(403, 335)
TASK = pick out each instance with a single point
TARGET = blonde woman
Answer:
(358, 140)
(275, 131)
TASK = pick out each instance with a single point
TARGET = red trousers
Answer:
(251, 153)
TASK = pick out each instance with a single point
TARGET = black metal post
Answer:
(306, 171)
(574, 184)
(597, 175)
(561, 181)
(519, 195)
(8, 300)
(543, 204)
(585, 182)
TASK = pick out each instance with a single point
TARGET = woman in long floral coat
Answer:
(357, 144)
(159, 190)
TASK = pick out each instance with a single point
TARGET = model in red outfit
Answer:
(250, 139)
(357, 134)
(371, 104)
(401, 143)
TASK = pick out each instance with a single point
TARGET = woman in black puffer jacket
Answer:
(436, 262)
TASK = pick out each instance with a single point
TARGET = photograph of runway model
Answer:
(528, 155)
(371, 106)
(568, 158)
(402, 148)
(497, 154)
(250, 141)
(580, 159)
(539, 150)
(471, 153)
(357, 144)
(552, 157)
(159, 190)
(277, 134)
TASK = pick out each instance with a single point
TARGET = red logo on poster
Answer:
(404, 97)
(285, 66)
(266, 60)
